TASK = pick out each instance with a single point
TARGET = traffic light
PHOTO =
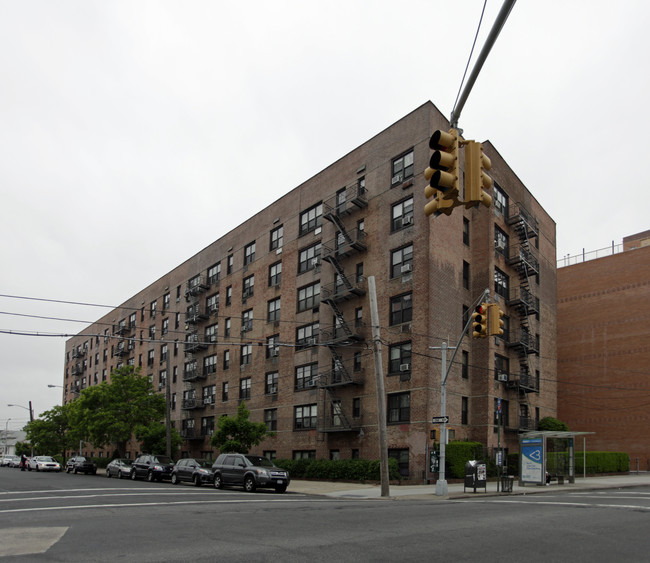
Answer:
(442, 173)
(495, 322)
(476, 179)
(480, 321)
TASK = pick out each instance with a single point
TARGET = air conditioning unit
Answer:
(406, 268)
(310, 341)
(311, 383)
(207, 400)
(502, 376)
(274, 353)
(408, 220)
(405, 367)
(406, 327)
(315, 262)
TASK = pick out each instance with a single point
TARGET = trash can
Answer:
(506, 483)
(475, 475)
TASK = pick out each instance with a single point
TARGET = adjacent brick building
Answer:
(603, 350)
(276, 313)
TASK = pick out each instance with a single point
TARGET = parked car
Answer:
(43, 463)
(119, 468)
(80, 464)
(197, 471)
(10, 461)
(152, 467)
(250, 471)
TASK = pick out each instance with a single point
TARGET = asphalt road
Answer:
(59, 517)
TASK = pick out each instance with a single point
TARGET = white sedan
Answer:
(43, 463)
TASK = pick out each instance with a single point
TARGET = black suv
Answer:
(153, 467)
(250, 471)
(80, 464)
(197, 471)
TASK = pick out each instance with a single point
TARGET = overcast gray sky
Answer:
(133, 133)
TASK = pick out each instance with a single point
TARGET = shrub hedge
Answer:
(343, 469)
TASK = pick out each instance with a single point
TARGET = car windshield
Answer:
(259, 461)
(45, 458)
(163, 459)
(204, 463)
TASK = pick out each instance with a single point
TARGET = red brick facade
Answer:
(369, 221)
(603, 350)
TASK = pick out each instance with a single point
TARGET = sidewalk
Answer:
(428, 492)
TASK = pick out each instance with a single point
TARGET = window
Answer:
(229, 295)
(304, 454)
(358, 273)
(249, 253)
(229, 264)
(248, 287)
(247, 320)
(356, 407)
(358, 317)
(275, 274)
(212, 304)
(306, 376)
(166, 302)
(305, 417)
(210, 364)
(464, 410)
(165, 326)
(399, 408)
(245, 388)
(309, 297)
(277, 235)
(500, 242)
(273, 346)
(152, 309)
(356, 365)
(150, 357)
(401, 309)
(399, 358)
(501, 283)
(214, 273)
(501, 366)
(224, 391)
(465, 231)
(465, 274)
(465, 364)
(162, 379)
(207, 426)
(502, 412)
(500, 200)
(246, 355)
(177, 320)
(311, 219)
(152, 332)
(402, 168)
(226, 327)
(309, 258)
(271, 419)
(209, 393)
(402, 214)
(307, 335)
(336, 413)
(226, 359)
(402, 457)
(401, 261)
(163, 353)
(273, 310)
(271, 385)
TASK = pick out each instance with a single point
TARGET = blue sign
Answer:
(532, 460)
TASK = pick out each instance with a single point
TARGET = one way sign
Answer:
(440, 419)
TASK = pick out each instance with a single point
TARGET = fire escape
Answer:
(193, 371)
(522, 257)
(332, 416)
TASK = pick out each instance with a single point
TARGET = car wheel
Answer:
(150, 477)
(37, 469)
(218, 483)
(174, 479)
(119, 473)
(75, 471)
(197, 481)
(133, 476)
(108, 474)
(280, 488)
(249, 484)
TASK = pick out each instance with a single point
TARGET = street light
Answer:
(72, 388)
(31, 412)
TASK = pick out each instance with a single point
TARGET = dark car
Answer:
(80, 464)
(250, 471)
(152, 467)
(119, 468)
(197, 471)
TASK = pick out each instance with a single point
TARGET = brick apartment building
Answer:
(276, 313)
(603, 351)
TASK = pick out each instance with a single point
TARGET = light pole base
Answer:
(441, 488)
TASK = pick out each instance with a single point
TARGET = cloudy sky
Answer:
(135, 133)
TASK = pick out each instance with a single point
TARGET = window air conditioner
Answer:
(406, 268)
(502, 376)
(405, 367)
(408, 220)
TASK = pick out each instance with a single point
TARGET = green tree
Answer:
(153, 438)
(110, 413)
(549, 423)
(23, 448)
(50, 434)
(238, 434)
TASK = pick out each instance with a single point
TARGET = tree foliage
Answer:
(153, 438)
(51, 434)
(551, 424)
(238, 434)
(113, 412)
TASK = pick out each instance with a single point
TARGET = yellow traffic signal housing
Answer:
(495, 322)
(476, 179)
(443, 173)
(480, 321)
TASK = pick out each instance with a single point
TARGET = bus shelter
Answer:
(547, 453)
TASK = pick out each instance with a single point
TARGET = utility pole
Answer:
(168, 397)
(381, 393)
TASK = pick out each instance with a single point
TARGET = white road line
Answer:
(557, 503)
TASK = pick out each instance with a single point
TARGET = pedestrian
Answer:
(548, 479)
(23, 462)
